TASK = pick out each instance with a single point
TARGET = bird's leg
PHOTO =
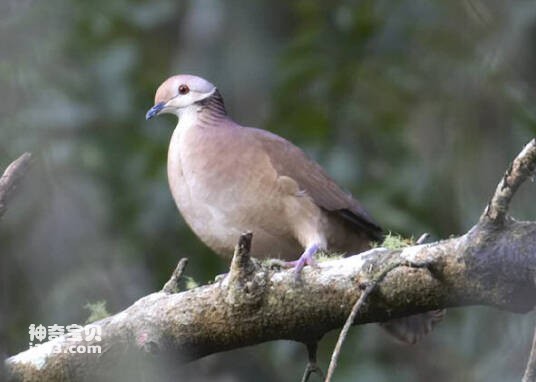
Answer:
(306, 258)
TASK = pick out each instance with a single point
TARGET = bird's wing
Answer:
(289, 160)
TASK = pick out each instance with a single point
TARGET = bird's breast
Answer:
(218, 185)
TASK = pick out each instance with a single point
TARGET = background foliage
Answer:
(414, 106)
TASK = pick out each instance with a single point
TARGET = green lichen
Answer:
(326, 256)
(319, 258)
(190, 283)
(97, 311)
(394, 241)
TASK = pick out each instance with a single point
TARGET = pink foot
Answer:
(306, 258)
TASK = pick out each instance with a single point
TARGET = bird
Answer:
(227, 179)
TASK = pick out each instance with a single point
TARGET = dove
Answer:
(227, 179)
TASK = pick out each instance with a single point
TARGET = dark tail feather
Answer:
(412, 329)
(363, 223)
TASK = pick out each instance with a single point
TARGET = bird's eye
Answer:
(184, 89)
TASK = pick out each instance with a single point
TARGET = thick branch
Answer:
(11, 177)
(495, 269)
(493, 264)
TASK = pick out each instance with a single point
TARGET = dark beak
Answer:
(153, 112)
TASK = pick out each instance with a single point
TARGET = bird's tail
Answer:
(412, 329)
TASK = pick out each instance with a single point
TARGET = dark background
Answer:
(416, 107)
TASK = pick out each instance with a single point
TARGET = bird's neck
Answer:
(198, 123)
(208, 112)
(213, 106)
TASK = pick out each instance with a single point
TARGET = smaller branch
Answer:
(530, 371)
(369, 287)
(244, 285)
(172, 285)
(11, 177)
(312, 366)
(241, 256)
(422, 239)
(523, 166)
(346, 327)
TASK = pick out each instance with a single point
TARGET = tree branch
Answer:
(530, 371)
(172, 285)
(521, 168)
(11, 177)
(342, 336)
(490, 265)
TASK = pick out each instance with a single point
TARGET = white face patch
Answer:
(183, 91)
(181, 101)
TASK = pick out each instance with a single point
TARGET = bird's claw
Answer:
(305, 259)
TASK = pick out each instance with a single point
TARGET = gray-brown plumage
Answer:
(227, 179)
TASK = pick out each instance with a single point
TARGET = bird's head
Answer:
(178, 93)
